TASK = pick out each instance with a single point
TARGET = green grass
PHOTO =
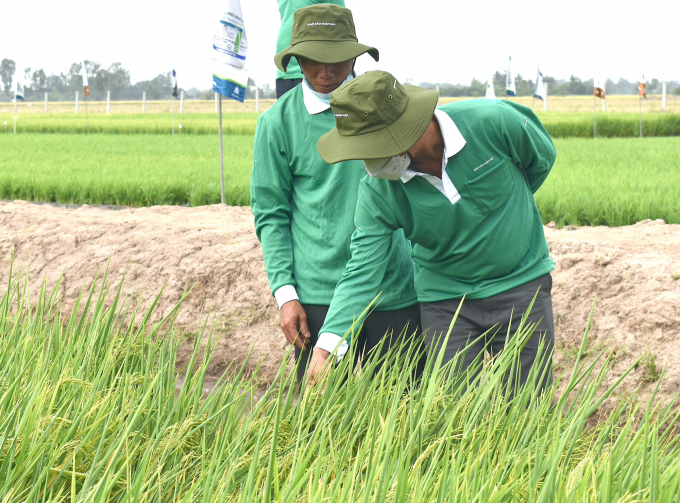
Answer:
(90, 411)
(126, 124)
(139, 170)
(612, 182)
(609, 125)
(558, 124)
(594, 182)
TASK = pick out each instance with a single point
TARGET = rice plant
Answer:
(135, 170)
(558, 124)
(605, 182)
(90, 411)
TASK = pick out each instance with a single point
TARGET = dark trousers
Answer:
(493, 314)
(376, 325)
(285, 85)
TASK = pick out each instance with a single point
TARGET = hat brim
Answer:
(324, 51)
(393, 140)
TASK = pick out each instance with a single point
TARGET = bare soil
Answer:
(633, 272)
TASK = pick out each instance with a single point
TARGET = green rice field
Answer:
(558, 124)
(91, 410)
(594, 182)
(134, 170)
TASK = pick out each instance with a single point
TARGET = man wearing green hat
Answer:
(287, 80)
(459, 180)
(304, 208)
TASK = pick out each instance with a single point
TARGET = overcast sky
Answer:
(424, 40)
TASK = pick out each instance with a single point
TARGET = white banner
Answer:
(230, 47)
(86, 85)
(539, 89)
(509, 80)
(490, 93)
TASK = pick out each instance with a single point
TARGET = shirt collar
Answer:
(453, 141)
(313, 103)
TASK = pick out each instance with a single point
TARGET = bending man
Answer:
(459, 180)
(304, 208)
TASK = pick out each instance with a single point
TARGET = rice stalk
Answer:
(90, 411)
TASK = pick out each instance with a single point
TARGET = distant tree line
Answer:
(116, 79)
(571, 87)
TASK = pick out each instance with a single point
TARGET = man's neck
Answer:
(427, 154)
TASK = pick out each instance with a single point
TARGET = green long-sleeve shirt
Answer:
(287, 10)
(304, 209)
(482, 242)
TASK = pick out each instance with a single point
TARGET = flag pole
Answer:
(594, 116)
(173, 115)
(87, 117)
(219, 100)
(640, 98)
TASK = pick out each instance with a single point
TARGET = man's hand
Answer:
(319, 366)
(294, 324)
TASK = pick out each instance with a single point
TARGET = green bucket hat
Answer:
(376, 117)
(323, 33)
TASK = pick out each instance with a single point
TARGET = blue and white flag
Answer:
(230, 47)
(490, 93)
(175, 92)
(19, 95)
(509, 79)
(539, 90)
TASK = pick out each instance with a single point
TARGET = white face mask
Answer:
(390, 168)
(326, 98)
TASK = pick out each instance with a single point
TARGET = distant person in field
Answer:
(292, 76)
(459, 181)
(304, 208)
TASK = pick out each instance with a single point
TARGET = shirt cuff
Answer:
(329, 342)
(285, 294)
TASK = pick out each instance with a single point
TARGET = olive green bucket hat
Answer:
(323, 33)
(376, 117)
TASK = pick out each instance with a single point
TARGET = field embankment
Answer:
(633, 272)
(611, 182)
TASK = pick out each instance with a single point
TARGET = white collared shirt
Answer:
(453, 143)
(313, 103)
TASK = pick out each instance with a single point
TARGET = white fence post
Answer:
(181, 102)
(545, 98)
(76, 101)
(45, 102)
(216, 106)
(437, 94)
(108, 102)
(144, 102)
(663, 96)
(257, 100)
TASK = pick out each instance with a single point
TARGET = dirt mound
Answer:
(633, 271)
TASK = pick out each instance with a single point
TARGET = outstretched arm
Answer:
(360, 283)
